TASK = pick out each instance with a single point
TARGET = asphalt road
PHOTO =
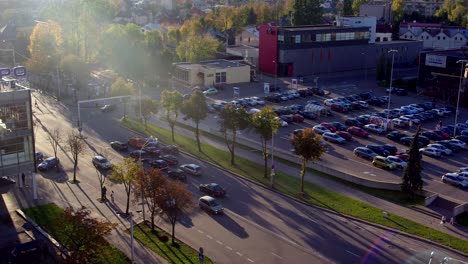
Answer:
(259, 226)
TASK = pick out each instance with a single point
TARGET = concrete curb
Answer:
(321, 208)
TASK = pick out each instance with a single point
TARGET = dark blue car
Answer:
(48, 163)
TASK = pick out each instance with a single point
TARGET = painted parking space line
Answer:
(278, 256)
(228, 248)
(356, 255)
(208, 236)
(251, 261)
(219, 242)
(238, 253)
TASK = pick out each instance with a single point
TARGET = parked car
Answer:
(353, 122)
(191, 169)
(212, 189)
(137, 142)
(120, 146)
(328, 126)
(339, 126)
(345, 135)
(39, 156)
(333, 137)
(210, 204)
(357, 131)
(211, 91)
(380, 150)
(432, 152)
(449, 145)
(457, 142)
(383, 162)
(170, 159)
(177, 174)
(365, 153)
(137, 154)
(462, 138)
(308, 115)
(397, 161)
(431, 135)
(319, 129)
(443, 149)
(396, 135)
(48, 163)
(152, 150)
(374, 128)
(338, 108)
(407, 141)
(101, 163)
(159, 164)
(454, 180)
(390, 148)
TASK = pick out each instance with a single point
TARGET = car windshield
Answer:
(103, 160)
(213, 203)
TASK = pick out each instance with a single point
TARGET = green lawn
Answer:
(43, 216)
(290, 185)
(163, 247)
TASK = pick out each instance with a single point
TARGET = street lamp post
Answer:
(276, 72)
(392, 51)
(131, 240)
(272, 173)
(459, 91)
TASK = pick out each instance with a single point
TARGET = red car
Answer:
(298, 118)
(345, 135)
(329, 126)
(357, 131)
(403, 156)
(442, 134)
(338, 108)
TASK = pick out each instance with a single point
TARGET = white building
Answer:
(359, 21)
(435, 36)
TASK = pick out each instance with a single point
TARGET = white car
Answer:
(441, 148)
(463, 169)
(283, 123)
(457, 142)
(192, 169)
(432, 152)
(438, 112)
(328, 102)
(332, 137)
(397, 161)
(319, 129)
(258, 100)
(363, 104)
(412, 119)
(374, 128)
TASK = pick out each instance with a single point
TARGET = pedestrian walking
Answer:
(104, 191)
(442, 220)
(452, 220)
(35, 103)
(112, 196)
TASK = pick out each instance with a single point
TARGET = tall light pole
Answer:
(272, 173)
(149, 140)
(131, 240)
(459, 91)
(392, 51)
(276, 72)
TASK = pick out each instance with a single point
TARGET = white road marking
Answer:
(278, 256)
(412, 249)
(238, 253)
(250, 260)
(230, 248)
(262, 228)
(356, 255)
(219, 242)
(208, 236)
(199, 231)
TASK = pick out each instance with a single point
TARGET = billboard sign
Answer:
(436, 61)
(294, 84)
(4, 72)
(19, 71)
(266, 88)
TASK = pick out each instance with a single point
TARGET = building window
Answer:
(438, 37)
(13, 117)
(443, 38)
(427, 37)
(182, 75)
(220, 77)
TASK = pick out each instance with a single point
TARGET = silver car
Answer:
(192, 169)
(210, 204)
(454, 179)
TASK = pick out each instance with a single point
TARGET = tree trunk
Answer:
(152, 220)
(265, 159)
(173, 231)
(128, 202)
(172, 124)
(303, 168)
(75, 165)
(197, 135)
(233, 148)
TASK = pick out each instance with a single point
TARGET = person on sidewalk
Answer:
(112, 196)
(23, 179)
(442, 220)
(452, 220)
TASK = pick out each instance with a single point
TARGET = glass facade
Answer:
(16, 133)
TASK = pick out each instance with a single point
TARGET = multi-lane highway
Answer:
(259, 226)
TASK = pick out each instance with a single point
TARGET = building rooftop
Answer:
(320, 27)
(218, 64)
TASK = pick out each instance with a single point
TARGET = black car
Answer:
(395, 135)
(170, 159)
(380, 150)
(177, 174)
(431, 135)
(48, 163)
(424, 140)
(152, 150)
(275, 88)
(353, 122)
(462, 138)
(170, 149)
(407, 141)
(366, 96)
(339, 126)
(137, 154)
(212, 189)
(390, 148)
(120, 146)
(303, 93)
(308, 115)
(449, 145)
(159, 164)
(401, 92)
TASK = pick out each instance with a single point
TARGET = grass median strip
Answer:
(44, 216)
(288, 184)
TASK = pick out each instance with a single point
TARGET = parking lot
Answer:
(340, 156)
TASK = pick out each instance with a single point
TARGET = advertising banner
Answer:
(436, 61)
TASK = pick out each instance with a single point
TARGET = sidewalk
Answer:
(420, 214)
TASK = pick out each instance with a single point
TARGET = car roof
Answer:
(207, 198)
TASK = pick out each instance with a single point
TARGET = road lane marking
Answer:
(208, 236)
(262, 228)
(250, 260)
(356, 255)
(219, 242)
(278, 256)
(199, 231)
(238, 253)
(230, 248)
